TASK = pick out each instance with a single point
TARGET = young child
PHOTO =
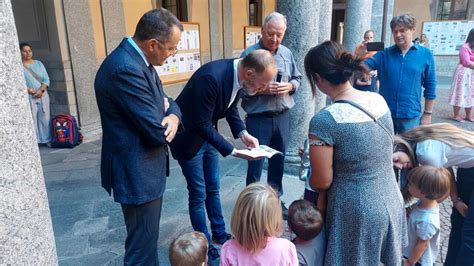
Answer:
(256, 225)
(305, 173)
(428, 184)
(305, 220)
(189, 249)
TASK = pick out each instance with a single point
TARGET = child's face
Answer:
(415, 191)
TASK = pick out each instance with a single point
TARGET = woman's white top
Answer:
(437, 153)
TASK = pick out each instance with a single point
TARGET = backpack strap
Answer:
(358, 106)
(36, 76)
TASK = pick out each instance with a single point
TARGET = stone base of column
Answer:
(292, 164)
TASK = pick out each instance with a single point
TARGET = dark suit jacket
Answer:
(203, 101)
(134, 148)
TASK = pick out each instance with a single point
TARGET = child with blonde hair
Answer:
(256, 225)
(429, 184)
(189, 249)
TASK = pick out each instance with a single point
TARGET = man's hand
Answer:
(271, 88)
(167, 104)
(461, 207)
(249, 140)
(284, 88)
(426, 119)
(171, 122)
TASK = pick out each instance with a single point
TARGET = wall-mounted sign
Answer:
(447, 37)
(181, 66)
(252, 35)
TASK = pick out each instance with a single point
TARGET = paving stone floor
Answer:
(88, 224)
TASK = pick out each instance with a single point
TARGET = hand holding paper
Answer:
(258, 153)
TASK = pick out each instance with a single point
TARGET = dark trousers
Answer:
(271, 130)
(143, 228)
(461, 239)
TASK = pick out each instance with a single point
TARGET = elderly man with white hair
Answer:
(268, 118)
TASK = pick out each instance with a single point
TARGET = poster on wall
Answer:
(447, 37)
(251, 35)
(181, 66)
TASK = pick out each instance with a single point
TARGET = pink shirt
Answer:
(279, 251)
(466, 56)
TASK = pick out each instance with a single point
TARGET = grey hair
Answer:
(405, 20)
(259, 60)
(274, 16)
(157, 24)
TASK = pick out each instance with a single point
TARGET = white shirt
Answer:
(437, 153)
(424, 224)
(134, 44)
(236, 86)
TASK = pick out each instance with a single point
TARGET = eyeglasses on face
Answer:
(171, 50)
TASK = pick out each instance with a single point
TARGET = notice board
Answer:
(181, 66)
(447, 37)
(252, 35)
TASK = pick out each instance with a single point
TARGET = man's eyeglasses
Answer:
(172, 51)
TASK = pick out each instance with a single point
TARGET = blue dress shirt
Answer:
(401, 78)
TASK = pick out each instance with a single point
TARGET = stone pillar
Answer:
(376, 23)
(84, 59)
(227, 29)
(356, 22)
(387, 32)
(303, 20)
(114, 23)
(325, 20)
(215, 29)
(26, 232)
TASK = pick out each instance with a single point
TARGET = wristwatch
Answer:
(428, 112)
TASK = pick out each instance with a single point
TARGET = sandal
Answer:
(458, 118)
(470, 119)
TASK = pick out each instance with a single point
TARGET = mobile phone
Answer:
(375, 46)
(279, 75)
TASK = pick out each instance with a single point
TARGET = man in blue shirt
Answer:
(402, 70)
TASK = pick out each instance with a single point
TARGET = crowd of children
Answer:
(257, 227)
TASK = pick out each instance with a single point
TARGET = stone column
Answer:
(227, 29)
(356, 22)
(26, 232)
(84, 59)
(215, 29)
(325, 23)
(376, 23)
(114, 23)
(387, 33)
(325, 20)
(301, 35)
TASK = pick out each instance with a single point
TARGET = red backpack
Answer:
(65, 131)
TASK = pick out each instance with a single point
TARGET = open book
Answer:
(258, 153)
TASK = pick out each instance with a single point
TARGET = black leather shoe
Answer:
(221, 240)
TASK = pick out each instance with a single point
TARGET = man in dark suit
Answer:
(138, 122)
(212, 93)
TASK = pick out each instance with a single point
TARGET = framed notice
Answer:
(447, 37)
(181, 66)
(251, 35)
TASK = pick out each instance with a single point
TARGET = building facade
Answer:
(73, 37)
